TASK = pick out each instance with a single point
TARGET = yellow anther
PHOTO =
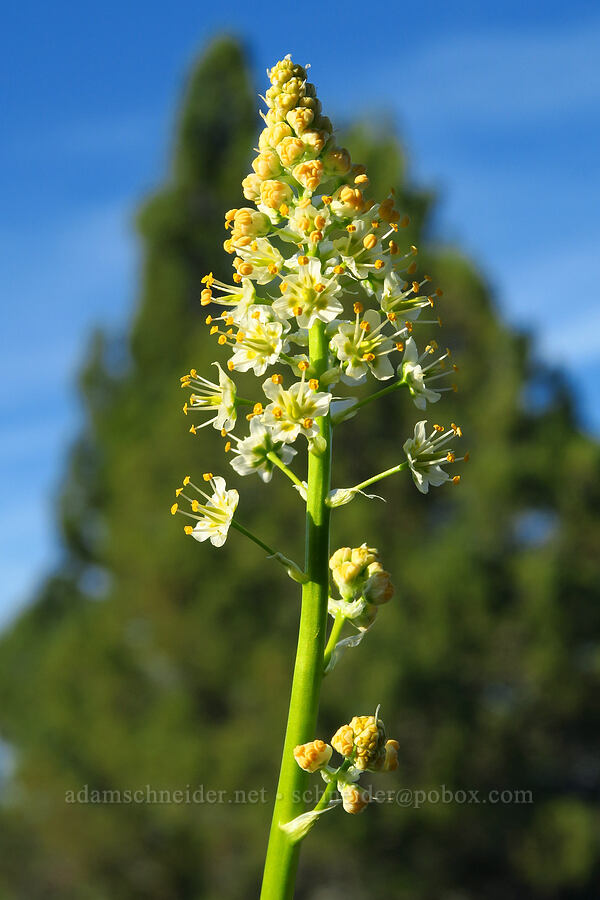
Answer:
(400, 345)
(456, 479)
(319, 288)
(303, 260)
(284, 209)
(246, 269)
(237, 277)
(207, 476)
(369, 357)
(350, 228)
(416, 287)
(257, 409)
(414, 250)
(192, 429)
(174, 508)
(339, 270)
(320, 222)
(409, 326)
(307, 423)
(229, 320)
(297, 310)
(228, 246)
(250, 416)
(185, 408)
(229, 331)
(375, 224)
(277, 379)
(364, 326)
(361, 179)
(223, 432)
(214, 329)
(208, 320)
(273, 270)
(316, 236)
(195, 506)
(450, 456)
(427, 278)
(412, 268)
(239, 338)
(369, 242)
(283, 287)
(222, 339)
(439, 292)
(208, 280)
(230, 214)
(456, 429)
(326, 200)
(188, 529)
(438, 428)
(379, 264)
(178, 491)
(227, 447)
(314, 384)
(256, 314)
(230, 364)
(391, 316)
(303, 365)
(358, 308)
(277, 412)
(393, 248)
(186, 480)
(404, 222)
(205, 297)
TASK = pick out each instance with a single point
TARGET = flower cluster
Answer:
(364, 747)
(362, 582)
(313, 246)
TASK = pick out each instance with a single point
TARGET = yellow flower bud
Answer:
(348, 201)
(369, 742)
(251, 186)
(267, 164)
(354, 798)
(300, 119)
(309, 174)
(274, 193)
(344, 554)
(390, 763)
(337, 161)
(273, 135)
(314, 141)
(249, 223)
(343, 740)
(378, 588)
(290, 150)
(313, 756)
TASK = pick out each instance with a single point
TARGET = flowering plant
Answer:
(323, 298)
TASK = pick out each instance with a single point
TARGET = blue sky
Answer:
(498, 105)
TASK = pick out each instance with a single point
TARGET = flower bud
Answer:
(274, 193)
(347, 201)
(312, 756)
(249, 223)
(309, 174)
(354, 798)
(369, 742)
(251, 186)
(290, 150)
(378, 588)
(300, 119)
(337, 161)
(343, 740)
(314, 141)
(390, 763)
(267, 164)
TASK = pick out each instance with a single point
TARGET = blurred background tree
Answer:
(147, 659)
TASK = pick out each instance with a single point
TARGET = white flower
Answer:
(308, 294)
(259, 341)
(361, 346)
(293, 410)
(214, 517)
(426, 455)
(361, 251)
(414, 375)
(212, 398)
(401, 297)
(252, 451)
(261, 261)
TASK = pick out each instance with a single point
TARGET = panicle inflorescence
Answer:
(314, 247)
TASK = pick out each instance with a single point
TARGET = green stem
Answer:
(282, 854)
(281, 465)
(376, 396)
(374, 478)
(336, 630)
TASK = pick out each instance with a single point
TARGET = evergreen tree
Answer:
(149, 660)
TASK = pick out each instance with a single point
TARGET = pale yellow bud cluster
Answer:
(349, 568)
(364, 741)
(312, 756)
(354, 798)
(246, 224)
